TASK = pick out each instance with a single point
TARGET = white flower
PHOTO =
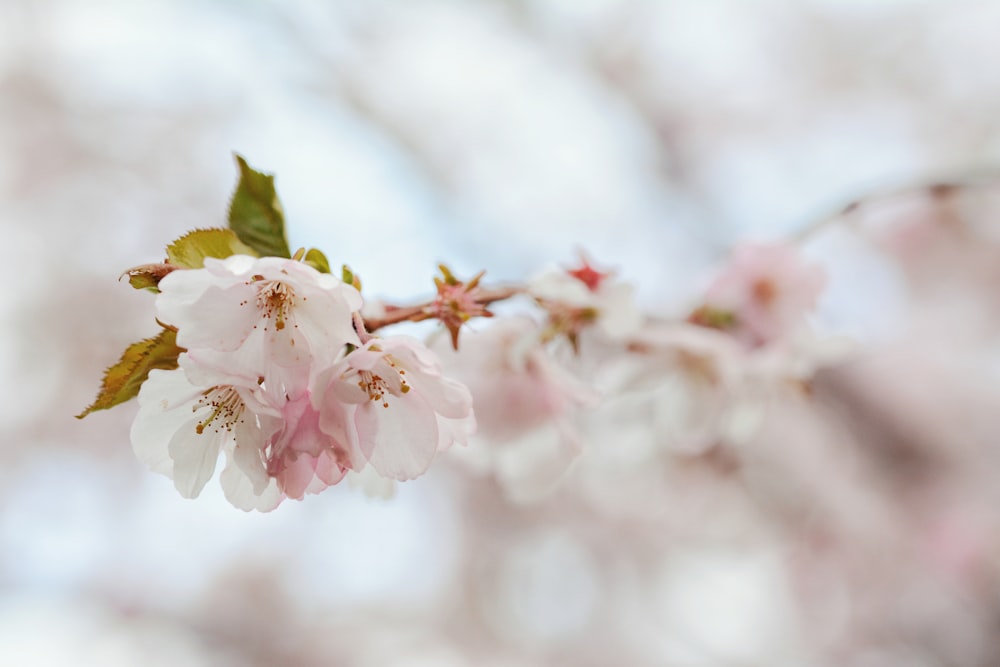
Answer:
(263, 320)
(707, 389)
(181, 429)
(390, 399)
(697, 381)
(584, 296)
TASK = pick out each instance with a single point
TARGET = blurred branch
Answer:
(932, 188)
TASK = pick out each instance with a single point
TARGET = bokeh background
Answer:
(508, 135)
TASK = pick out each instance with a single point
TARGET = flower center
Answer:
(226, 409)
(376, 387)
(274, 300)
(764, 291)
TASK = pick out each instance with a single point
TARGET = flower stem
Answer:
(359, 326)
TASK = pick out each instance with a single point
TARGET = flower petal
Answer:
(400, 441)
(195, 455)
(446, 397)
(164, 401)
(240, 492)
(220, 318)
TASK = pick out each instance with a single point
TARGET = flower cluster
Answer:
(270, 361)
(596, 382)
(275, 375)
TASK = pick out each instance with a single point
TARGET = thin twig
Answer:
(978, 178)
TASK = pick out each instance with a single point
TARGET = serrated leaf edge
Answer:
(112, 396)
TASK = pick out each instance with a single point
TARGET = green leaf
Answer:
(317, 260)
(190, 250)
(122, 381)
(255, 213)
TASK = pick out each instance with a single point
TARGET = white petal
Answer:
(455, 431)
(446, 397)
(401, 440)
(179, 289)
(561, 287)
(412, 352)
(240, 366)
(210, 368)
(239, 491)
(247, 457)
(206, 307)
(164, 406)
(347, 391)
(237, 266)
(619, 316)
(195, 455)
(365, 359)
(325, 319)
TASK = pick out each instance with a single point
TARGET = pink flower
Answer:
(525, 403)
(301, 457)
(769, 289)
(390, 400)
(265, 320)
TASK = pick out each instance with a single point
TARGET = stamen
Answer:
(275, 300)
(227, 409)
(376, 387)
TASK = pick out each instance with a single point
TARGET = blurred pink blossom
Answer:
(769, 289)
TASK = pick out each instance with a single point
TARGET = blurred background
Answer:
(862, 529)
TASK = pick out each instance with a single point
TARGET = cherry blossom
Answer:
(267, 320)
(389, 400)
(578, 297)
(271, 452)
(764, 292)
(525, 403)
(301, 457)
(181, 429)
(707, 389)
(696, 380)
